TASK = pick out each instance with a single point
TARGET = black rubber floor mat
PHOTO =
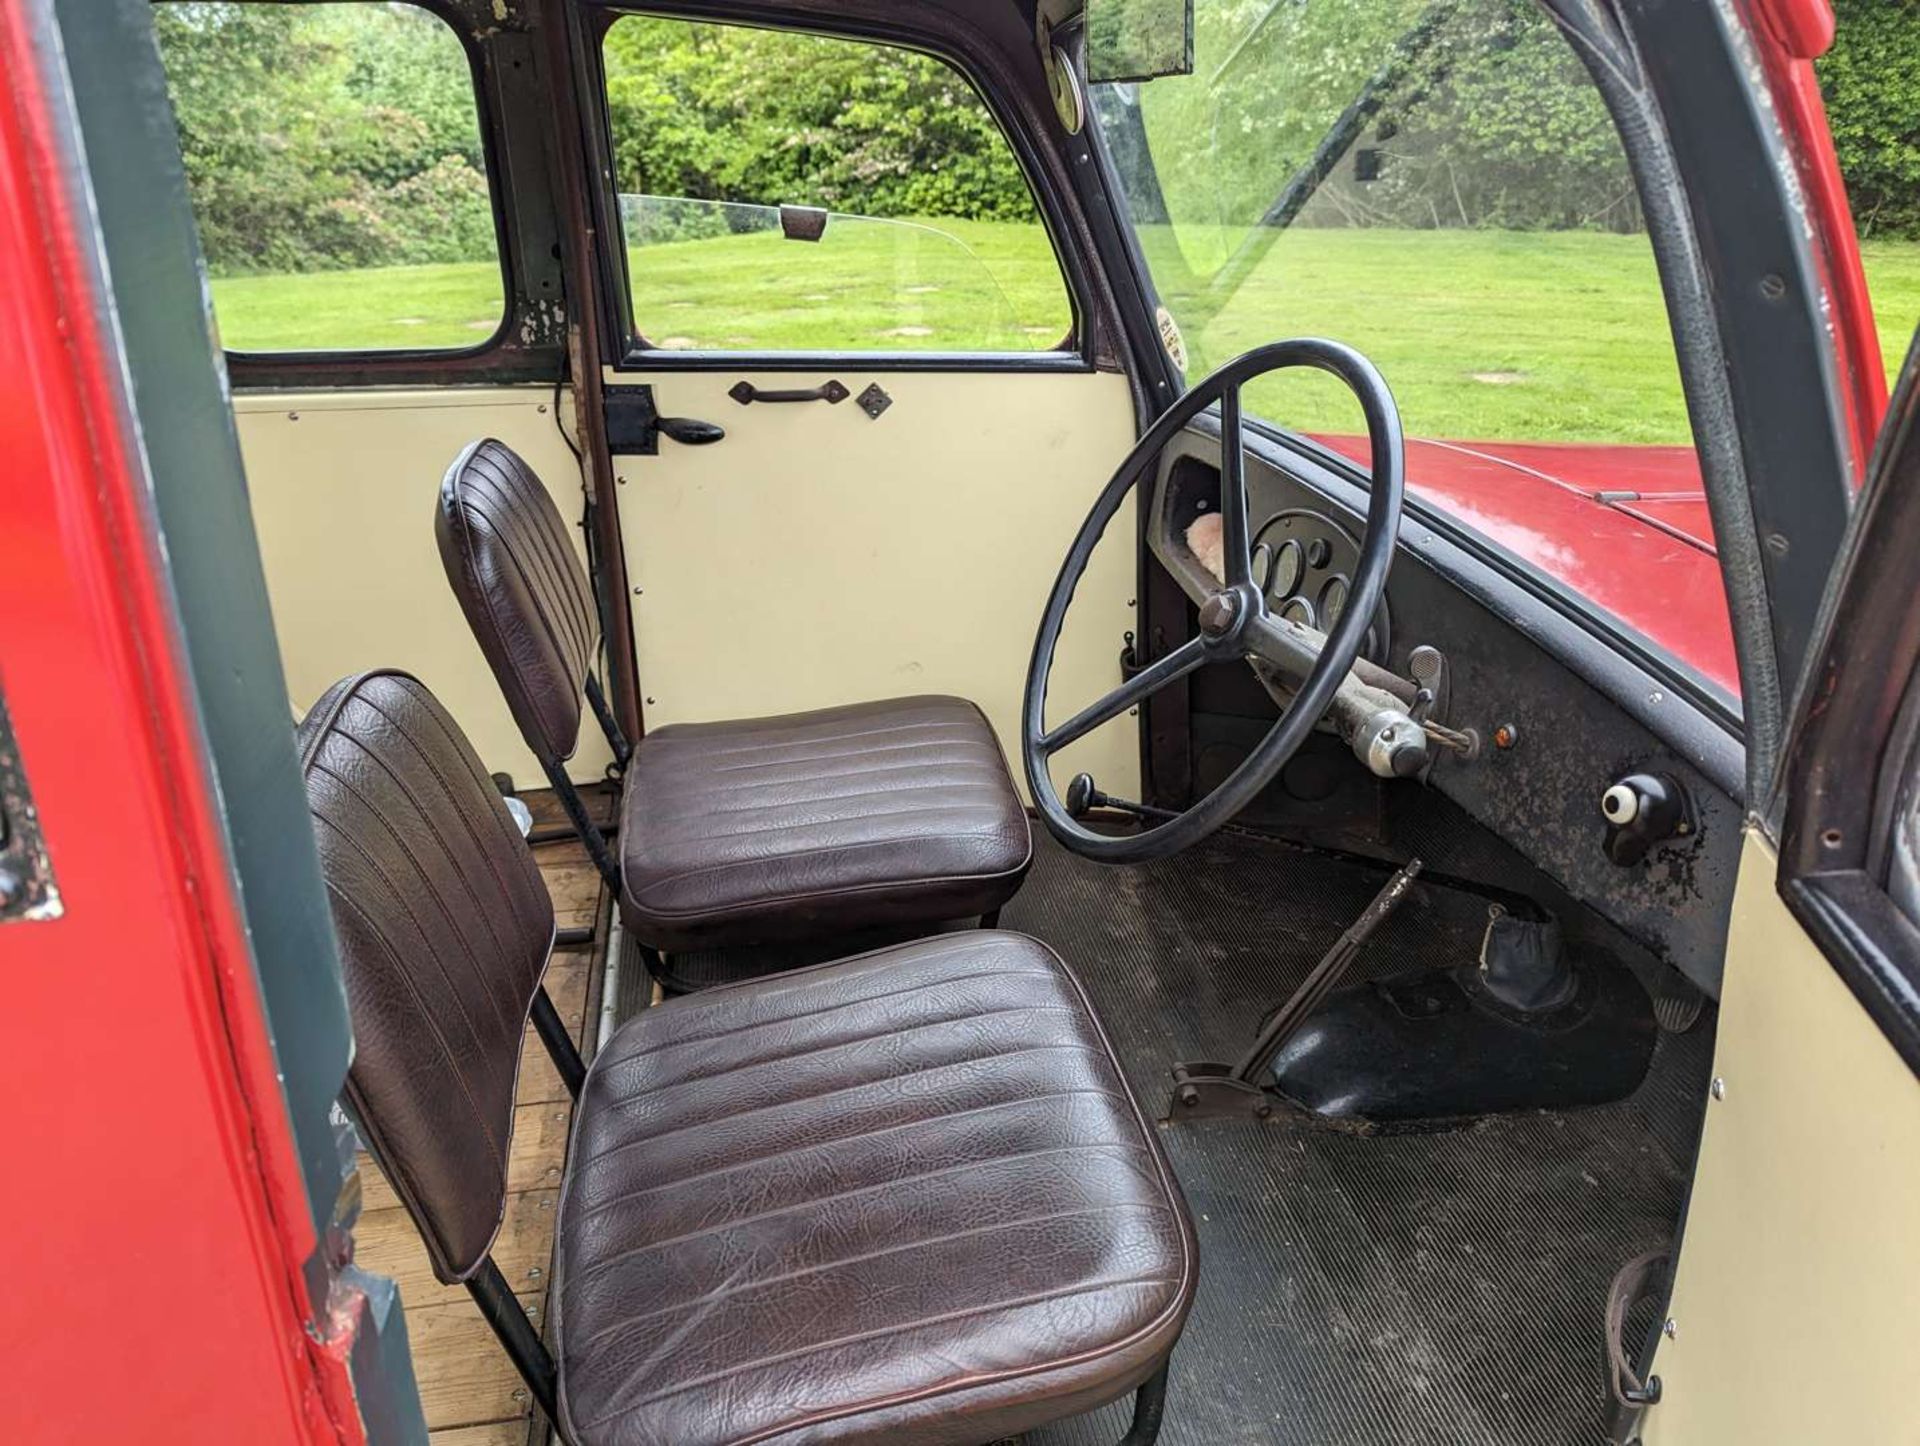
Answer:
(1412, 1288)
(1354, 1291)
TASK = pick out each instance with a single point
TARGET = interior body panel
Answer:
(817, 556)
(1792, 1309)
(344, 486)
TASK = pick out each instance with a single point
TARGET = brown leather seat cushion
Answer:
(778, 828)
(903, 1197)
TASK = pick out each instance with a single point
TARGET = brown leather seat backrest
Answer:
(509, 555)
(444, 928)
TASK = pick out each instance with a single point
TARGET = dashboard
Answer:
(1573, 712)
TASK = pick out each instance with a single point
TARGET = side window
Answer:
(1442, 186)
(789, 193)
(334, 158)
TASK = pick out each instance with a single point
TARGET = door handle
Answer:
(691, 431)
(746, 393)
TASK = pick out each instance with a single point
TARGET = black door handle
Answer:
(691, 431)
(746, 392)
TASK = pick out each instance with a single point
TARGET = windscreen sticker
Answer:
(1170, 338)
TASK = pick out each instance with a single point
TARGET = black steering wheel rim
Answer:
(1232, 620)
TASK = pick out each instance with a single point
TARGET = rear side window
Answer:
(792, 193)
(335, 162)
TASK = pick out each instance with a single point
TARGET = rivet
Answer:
(1671, 1330)
(520, 1396)
(541, 409)
(293, 416)
(1656, 696)
(638, 591)
(1719, 1088)
(649, 701)
(1773, 286)
(533, 1272)
(1505, 735)
(1777, 543)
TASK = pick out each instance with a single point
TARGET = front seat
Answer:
(903, 1197)
(896, 813)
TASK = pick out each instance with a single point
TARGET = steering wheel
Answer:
(1234, 620)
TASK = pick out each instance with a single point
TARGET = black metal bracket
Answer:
(873, 400)
(560, 1046)
(1208, 1089)
(27, 888)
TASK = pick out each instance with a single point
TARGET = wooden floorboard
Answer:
(470, 1391)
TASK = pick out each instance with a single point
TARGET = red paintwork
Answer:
(153, 1201)
(1792, 33)
(1803, 27)
(1625, 527)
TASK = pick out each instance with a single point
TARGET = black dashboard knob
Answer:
(1641, 810)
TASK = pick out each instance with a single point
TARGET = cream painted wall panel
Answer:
(1797, 1305)
(817, 557)
(343, 487)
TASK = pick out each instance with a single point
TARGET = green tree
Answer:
(730, 113)
(1871, 81)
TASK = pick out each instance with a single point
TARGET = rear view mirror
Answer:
(1138, 39)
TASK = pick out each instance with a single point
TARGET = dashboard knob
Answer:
(1641, 810)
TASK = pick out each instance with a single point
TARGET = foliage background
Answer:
(335, 136)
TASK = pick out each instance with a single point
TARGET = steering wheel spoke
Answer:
(1236, 547)
(1130, 694)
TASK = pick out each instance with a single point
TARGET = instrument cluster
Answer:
(1304, 562)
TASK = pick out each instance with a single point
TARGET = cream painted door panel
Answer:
(1796, 1308)
(817, 556)
(344, 485)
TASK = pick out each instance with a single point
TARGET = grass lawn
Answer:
(1483, 334)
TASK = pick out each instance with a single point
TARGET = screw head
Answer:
(1671, 1330)
(1505, 735)
(1718, 1089)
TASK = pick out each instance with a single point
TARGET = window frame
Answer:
(529, 343)
(1072, 354)
(1856, 736)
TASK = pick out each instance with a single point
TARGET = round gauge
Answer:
(1262, 565)
(1289, 566)
(1299, 610)
(1333, 600)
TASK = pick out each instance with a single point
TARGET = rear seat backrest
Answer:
(444, 927)
(509, 556)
